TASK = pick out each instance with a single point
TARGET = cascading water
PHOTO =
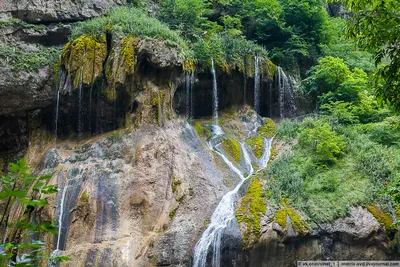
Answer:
(215, 93)
(187, 85)
(285, 88)
(191, 93)
(90, 109)
(56, 252)
(224, 214)
(80, 130)
(244, 80)
(257, 82)
(58, 104)
(281, 89)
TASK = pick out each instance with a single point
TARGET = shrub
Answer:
(21, 60)
(25, 190)
(124, 21)
(320, 141)
(287, 130)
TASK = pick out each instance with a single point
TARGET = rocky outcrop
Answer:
(134, 198)
(24, 90)
(55, 11)
(336, 9)
(359, 236)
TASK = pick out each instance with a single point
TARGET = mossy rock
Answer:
(252, 207)
(175, 184)
(384, 219)
(83, 59)
(387, 223)
(232, 148)
(268, 130)
(298, 224)
(189, 65)
(257, 145)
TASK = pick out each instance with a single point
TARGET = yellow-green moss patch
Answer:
(268, 130)
(84, 57)
(232, 149)
(257, 145)
(201, 130)
(298, 224)
(189, 65)
(252, 208)
(175, 184)
(280, 218)
(128, 47)
(385, 220)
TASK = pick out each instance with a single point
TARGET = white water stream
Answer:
(215, 93)
(224, 214)
(257, 82)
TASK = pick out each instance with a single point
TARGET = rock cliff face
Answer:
(55, 11)
(134, 198)
(139, 184)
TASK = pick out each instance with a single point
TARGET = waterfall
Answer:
(215, 93)
(56, 252)
(281, 89)
(224, 214)
(90, 109)
(80, 97)
(60, 85)
(285, 91)
(244, 80)
(187, 87)
(191, 94)
(257, 81)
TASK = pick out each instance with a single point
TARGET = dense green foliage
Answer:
(375, 26)
(26, 191)
(20, 59)
(332, 80)
(291, 30)
(337, 162)
(130, 21)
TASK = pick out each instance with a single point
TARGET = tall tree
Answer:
(375, 25)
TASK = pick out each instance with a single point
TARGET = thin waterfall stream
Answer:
(56, 252)
(80, 128)
(187, 87)
(215, 93)
(285, 93)
(257, 82)
(224, 214)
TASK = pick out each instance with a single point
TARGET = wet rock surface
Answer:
(359, 236)
(55, 11)
(24, 90)
(134, 199)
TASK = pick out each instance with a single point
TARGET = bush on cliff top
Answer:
(130, 21)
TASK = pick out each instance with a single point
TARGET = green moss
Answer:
(232, 149)
(252, 208)
(189, 65)
(268, 69)
(385, 220)
(298, 224)
(175, 184)
(172, 213)
(84, 56)
(268, 130)
(115, 137)
(20, 59)
(257, 145)
(199, 128)
(84, 199)
(129, 45)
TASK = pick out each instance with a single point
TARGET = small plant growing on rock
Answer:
(24, 193)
